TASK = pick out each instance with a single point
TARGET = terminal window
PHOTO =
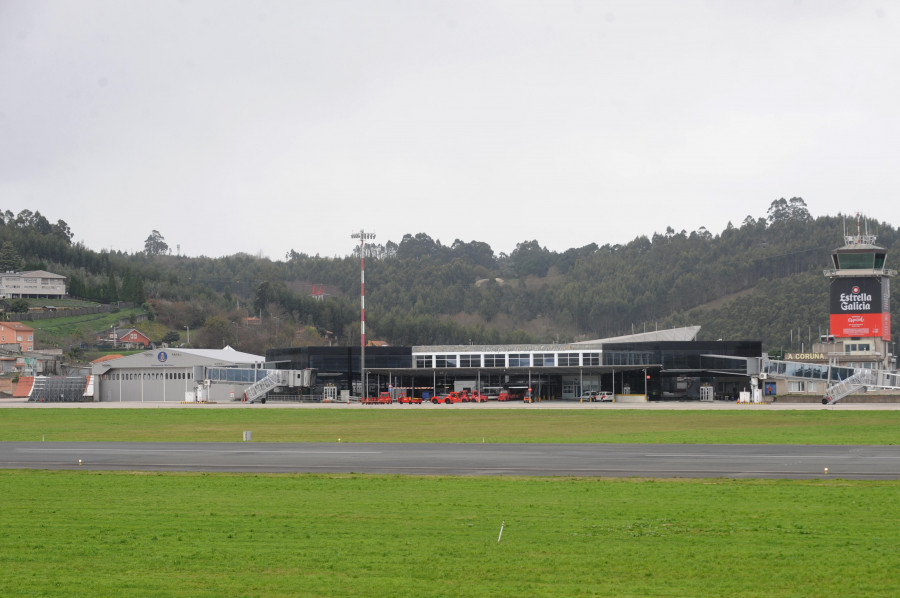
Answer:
(424, 361)
(445, 361)
(545, 359)
(519, 360)
(470, 361)
(494, 360)
(590, 359)
(564, 359)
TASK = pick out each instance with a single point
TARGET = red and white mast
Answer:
(362, 236)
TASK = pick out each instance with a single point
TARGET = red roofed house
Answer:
(17, 333)
(126, 338)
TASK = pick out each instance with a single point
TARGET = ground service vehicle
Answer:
(408, 400)
(382, 399)
(596, 396)
(491, 392)
(512, 394)
(451, 397)
(477, 397)
(472, 397)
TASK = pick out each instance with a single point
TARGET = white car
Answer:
(597, 396)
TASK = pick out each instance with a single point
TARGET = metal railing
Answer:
(858, 381)
(261, 387)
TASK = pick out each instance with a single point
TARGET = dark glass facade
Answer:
(339, 365)
(666, 369)
(684, 355)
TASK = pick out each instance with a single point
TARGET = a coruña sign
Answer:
(804, 356)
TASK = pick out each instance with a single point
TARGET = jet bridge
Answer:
(278, 378)
(861, 378)
(840, 381)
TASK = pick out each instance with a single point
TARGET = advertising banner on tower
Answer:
(856, 307)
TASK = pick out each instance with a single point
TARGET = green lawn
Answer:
(86, 533)
(64, 331)
(418, 424)
(150, 534)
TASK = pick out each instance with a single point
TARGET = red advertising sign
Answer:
(860, 307)
(843, 325)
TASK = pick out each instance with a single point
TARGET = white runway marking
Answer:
(216, 452)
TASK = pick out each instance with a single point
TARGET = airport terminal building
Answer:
(663, 365)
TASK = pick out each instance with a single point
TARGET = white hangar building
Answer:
(176, 375)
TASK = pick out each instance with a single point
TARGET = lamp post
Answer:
(188, 328)
(362, 235)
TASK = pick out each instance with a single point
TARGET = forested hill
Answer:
(759, 280)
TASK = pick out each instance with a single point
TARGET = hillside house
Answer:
(32, 285)
(16, 333)
(126, 338)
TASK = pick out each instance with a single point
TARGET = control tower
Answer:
(860, 303)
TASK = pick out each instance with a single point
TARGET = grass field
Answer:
(84, 533)
(419, 424)
(117, 534)
(61, 331)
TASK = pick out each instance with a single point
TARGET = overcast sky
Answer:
(266, 126)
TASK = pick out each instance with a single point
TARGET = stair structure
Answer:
(857, 381)
(258, 390)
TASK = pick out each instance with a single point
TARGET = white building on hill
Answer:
(32, 285)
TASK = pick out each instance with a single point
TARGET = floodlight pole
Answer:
(362, 235)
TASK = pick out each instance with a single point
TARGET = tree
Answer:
(798, 209)
(476, 252)
(132, 288)
(111, 291)
(62, 230)
(155, 244)
(217, 329)
(18, 306)
(77, 286)
(171, 337)
(782, 210)
(530, 258)
(9, 258)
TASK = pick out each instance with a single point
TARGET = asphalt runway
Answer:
(588, 460)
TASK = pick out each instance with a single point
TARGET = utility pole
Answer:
(362, 235)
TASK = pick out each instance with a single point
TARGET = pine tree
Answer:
(9, 258)
(112, 292)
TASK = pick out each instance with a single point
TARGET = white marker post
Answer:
(502, 523)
